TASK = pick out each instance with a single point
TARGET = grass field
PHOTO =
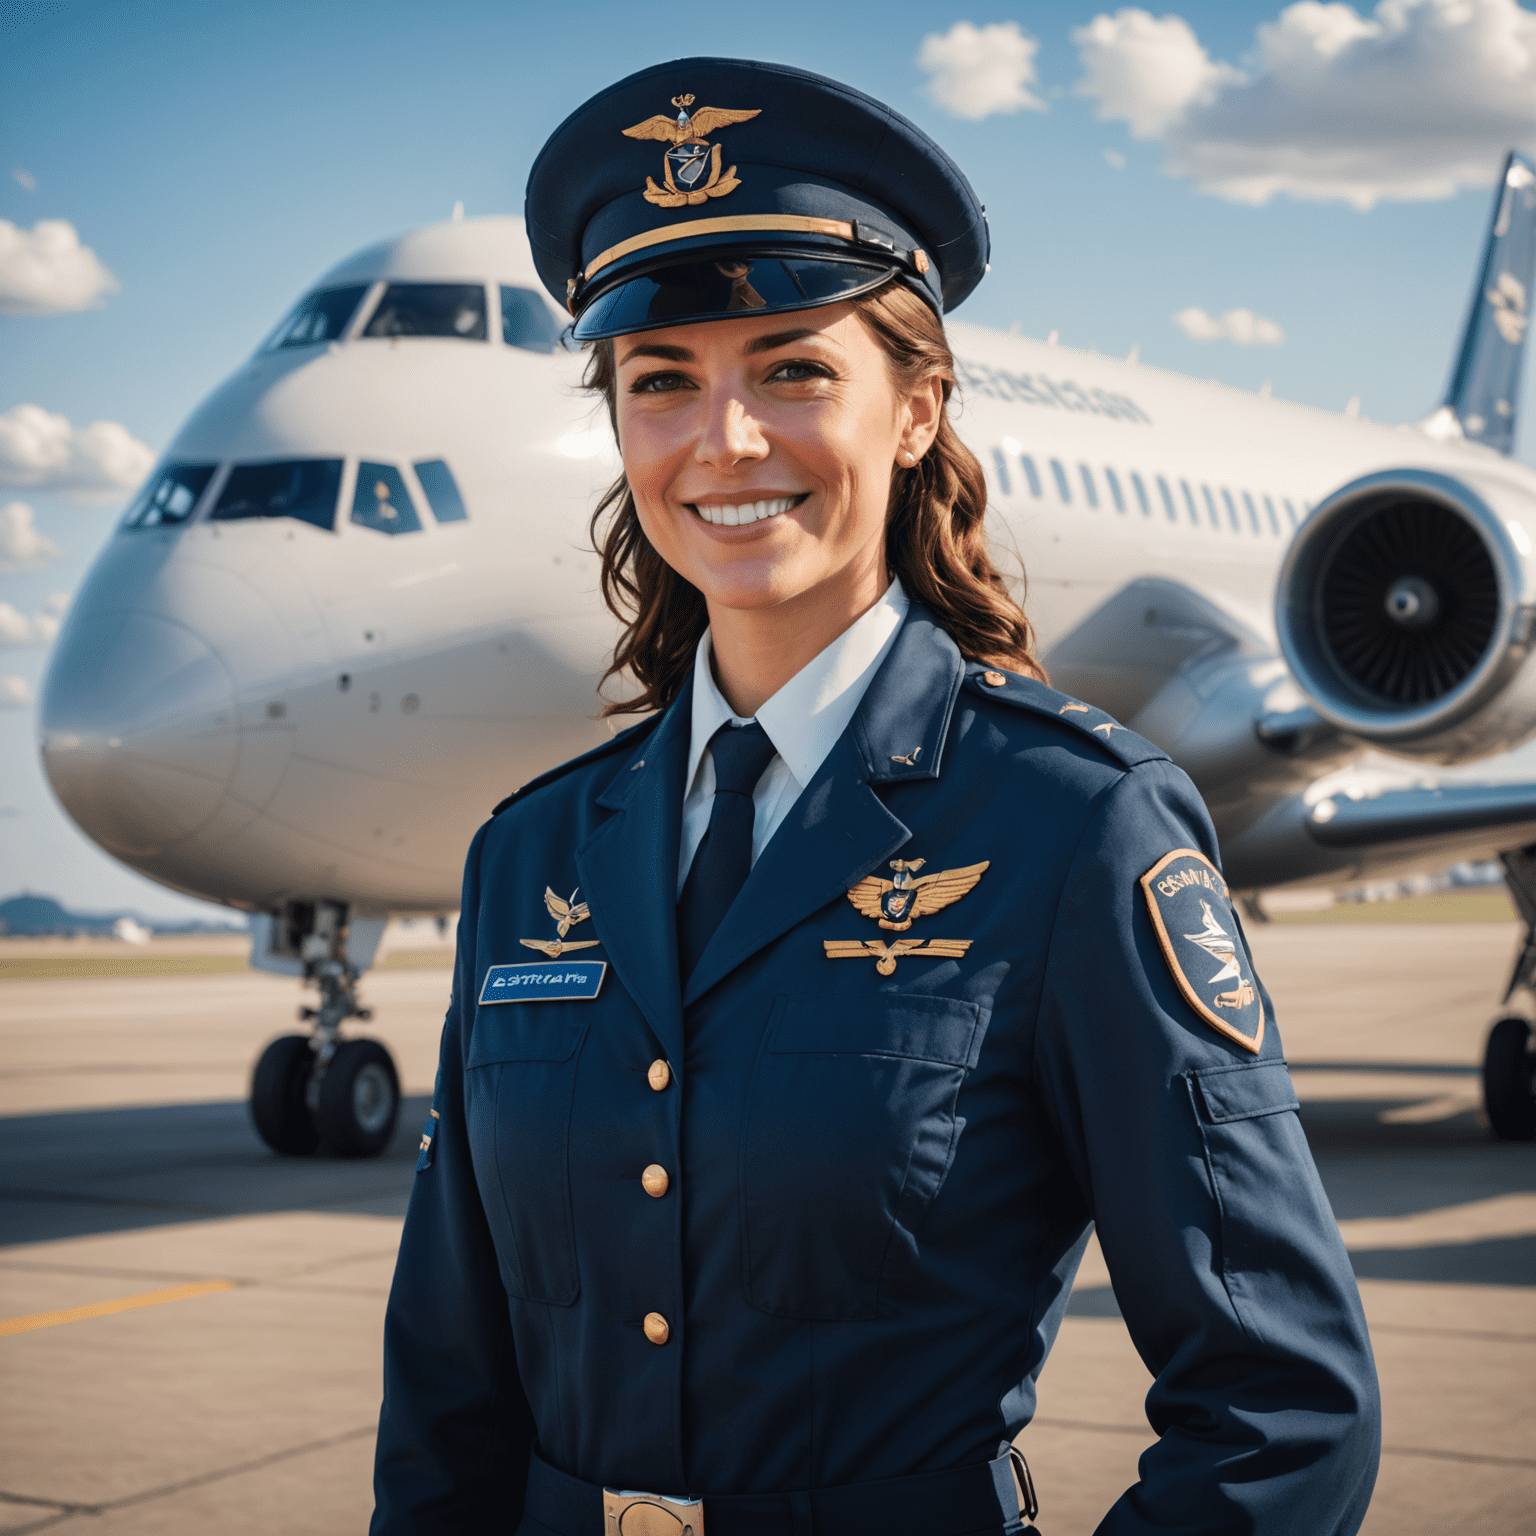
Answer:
(1475, 904)
(1479, 904)
(84, 967)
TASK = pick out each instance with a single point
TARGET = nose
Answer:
(730, 434)
(138, 729)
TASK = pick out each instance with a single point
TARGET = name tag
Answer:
(552, 981)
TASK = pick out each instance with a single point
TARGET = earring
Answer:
(909, 458)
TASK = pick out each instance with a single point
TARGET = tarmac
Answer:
(190, 1326)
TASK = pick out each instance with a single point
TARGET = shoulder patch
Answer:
(619, 740)
(1203, 945)
(1022, 692)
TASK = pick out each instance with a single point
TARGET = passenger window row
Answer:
(457, 311)
(306, 489)
(1226, 517)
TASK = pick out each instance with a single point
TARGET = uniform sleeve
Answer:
(1226, 1259)
(455, 1429)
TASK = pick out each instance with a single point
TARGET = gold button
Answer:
(656, 1329)
(993, 679)
(654, 1181)
(659, 1076)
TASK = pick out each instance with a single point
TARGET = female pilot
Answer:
(800, 1033)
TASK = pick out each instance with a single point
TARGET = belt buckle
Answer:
(627, 1513)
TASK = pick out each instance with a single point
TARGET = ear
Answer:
(924, 411)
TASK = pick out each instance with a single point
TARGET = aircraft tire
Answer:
(1509, 1068)
(359, 1100)
(278, 1082)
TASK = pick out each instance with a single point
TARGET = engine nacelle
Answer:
(1404, 610)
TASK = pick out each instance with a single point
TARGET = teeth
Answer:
(748, 512)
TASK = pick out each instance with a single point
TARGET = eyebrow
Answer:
(658, 349)
(780, 339)
(675, 354)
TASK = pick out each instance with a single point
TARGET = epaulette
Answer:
(1023, 692)
(618, 740)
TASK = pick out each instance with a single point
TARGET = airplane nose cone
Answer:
(138, 729)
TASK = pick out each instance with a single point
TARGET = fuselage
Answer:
(259, 708)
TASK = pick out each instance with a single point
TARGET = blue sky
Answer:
(217, 156)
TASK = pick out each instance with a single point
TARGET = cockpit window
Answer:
(442, 491)
(317, 317)
(303, 488)
(430, 309)
(381, 501)
(170, 496)
(526, 321)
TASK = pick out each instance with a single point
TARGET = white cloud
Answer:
(22, 547)
(1410, 102)
(25, 179)
(1114, 159)
(17, 629)
(14, 692)
(1240, 325)
(46, 271)
(40, 448)
(1145, 70)
(975, 72)
(14, 628)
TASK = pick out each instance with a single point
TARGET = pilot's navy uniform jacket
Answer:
(874, 1189)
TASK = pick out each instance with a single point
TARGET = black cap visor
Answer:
(724, 287)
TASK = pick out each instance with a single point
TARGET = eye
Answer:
(798, 371)
(659, 384)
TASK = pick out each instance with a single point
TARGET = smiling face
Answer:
(760, 453)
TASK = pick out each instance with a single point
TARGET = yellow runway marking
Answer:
(107, 1308)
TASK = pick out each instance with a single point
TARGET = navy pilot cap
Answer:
(711, 187)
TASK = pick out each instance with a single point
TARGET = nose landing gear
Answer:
(1509, 1081)
(319, 1088)
(357, 1098)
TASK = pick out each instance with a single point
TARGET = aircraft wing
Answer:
(1380, 835)
(1417, 814)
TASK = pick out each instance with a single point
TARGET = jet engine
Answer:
(1405, 612)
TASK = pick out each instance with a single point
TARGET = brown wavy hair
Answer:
(935, 535)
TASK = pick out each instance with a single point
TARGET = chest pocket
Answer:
(519, 1082)
(849, 1133)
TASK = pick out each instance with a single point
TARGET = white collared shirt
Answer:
(803, 721)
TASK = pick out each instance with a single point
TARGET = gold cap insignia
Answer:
(898, 903)
(566, 913)
(690, 153)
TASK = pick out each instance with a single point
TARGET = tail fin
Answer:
(1482, 399)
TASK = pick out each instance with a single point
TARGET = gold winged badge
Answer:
(684, 164)
(897, 903)
(566, 913)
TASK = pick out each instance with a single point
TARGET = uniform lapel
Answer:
(839, 829)
(628, 869)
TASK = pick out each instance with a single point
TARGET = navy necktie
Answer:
(724, 858)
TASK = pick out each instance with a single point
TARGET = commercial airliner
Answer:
(354, 605)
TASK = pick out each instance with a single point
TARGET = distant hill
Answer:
(42, 916)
